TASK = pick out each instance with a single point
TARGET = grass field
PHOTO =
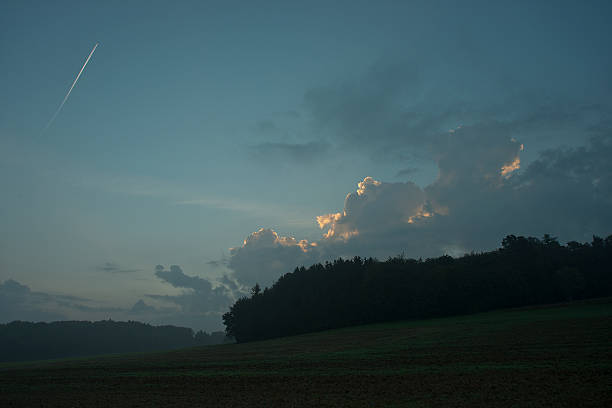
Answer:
(556, 356)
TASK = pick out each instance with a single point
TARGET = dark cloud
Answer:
(199, 306)
(367, 108)
(265, 255)
(401, 109)
(178, 279)
(200, 320)
(374, 206)
(19, 302)
(571, 188)
(141, 308)
(481, 194)
(111, 267)
(232, 285)
(199, 294)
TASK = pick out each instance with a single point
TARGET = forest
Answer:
(346, 292)
(20, 341)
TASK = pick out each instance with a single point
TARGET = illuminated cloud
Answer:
(362, 186)
(507, 169)
(424, 212)
(265, 255)
(328, 219)
(268, 238)
(471, 206)
(373, 207)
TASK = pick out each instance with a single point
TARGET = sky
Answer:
(209, 146)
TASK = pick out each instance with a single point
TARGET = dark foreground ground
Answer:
(557, 356)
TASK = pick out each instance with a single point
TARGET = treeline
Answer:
(524, 271)
(20, 341)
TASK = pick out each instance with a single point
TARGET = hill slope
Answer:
(557, 355)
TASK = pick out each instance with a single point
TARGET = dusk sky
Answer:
(208, 146)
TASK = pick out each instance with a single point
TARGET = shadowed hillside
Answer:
(547, 356)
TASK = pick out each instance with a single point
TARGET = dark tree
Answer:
(524, 271)
(35, 341)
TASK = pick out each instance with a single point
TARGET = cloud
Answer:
(482, 193)
(202, 320)
(141, 308)
(198, 295)
(475, 153)
(178, 279)
(401, 109)
(200, 306)
(19, 302)
(264, 256)
(373, 207)
(373, 106)
(491, 180)
(111, 267)
(571, 188)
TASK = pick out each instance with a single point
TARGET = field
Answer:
(557, 356)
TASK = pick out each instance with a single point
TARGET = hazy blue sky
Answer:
(196, 124)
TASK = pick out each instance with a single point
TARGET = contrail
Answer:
(70, 90)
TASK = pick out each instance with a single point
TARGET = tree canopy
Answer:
(34, 341)
(345, 292)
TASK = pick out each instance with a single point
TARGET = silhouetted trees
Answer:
(524, 271)
(35, 341)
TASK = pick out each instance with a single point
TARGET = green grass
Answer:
(557, 356)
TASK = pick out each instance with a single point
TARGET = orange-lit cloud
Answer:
(328, 219)
(265, 255)
(363, 185)
(507, 169)
(421, 213)
(269, 238)
(375, 206)
(478, 196)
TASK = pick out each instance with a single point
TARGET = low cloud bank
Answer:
(199, 305)
(19, 302)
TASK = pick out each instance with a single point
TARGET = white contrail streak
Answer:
(70, 90)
